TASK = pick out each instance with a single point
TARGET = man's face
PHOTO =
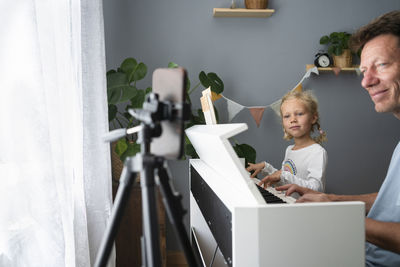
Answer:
(380, 65)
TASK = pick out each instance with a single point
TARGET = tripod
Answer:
(147, 164)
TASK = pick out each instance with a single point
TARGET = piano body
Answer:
(227, 209)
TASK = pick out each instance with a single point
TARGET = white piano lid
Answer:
(214, 149)
(222, 130)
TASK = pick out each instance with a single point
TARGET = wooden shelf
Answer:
(354, 68)
(242, 12)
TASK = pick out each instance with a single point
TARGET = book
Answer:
(208, 107)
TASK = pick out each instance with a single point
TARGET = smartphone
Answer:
(170, 85)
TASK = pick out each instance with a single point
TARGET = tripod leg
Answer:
(144, 263)
(175, 212)
(150, 216)
(126, 180)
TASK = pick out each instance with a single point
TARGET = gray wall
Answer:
(259, 60)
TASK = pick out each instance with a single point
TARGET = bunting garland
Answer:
(233, 108)
(257, 111)
(276, 107)
(336, 70)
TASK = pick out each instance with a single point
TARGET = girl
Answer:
(305, 161)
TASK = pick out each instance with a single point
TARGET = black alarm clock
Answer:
(322, 59)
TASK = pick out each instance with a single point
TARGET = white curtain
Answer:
(55, 185)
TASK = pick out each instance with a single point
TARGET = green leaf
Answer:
(341, 35)
(338, 51)
(112, 112)
(137, 101)
(217, 85)
(199, 119)
(190, 151)
(333, 35)
(113, 96)
(121, 94)
(211, 80)
(204, 79)
(134, 71)
(331, 50)
(148, 90)
(187, 95)
(172, 65)
(140, 73)
(121, 146)
(128, 92)
(324, 40)
(132, 150)
(187, 84)
(129, 65)
(245, 151)
(116, 80)
(110, 71)
(346, 41)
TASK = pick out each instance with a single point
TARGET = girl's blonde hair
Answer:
(311, 104)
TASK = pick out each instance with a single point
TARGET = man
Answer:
(380, 65)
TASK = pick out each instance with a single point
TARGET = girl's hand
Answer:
(270, 179)
(256, 167)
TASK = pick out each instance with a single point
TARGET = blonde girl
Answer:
(305, 161)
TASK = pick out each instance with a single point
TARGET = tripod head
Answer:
(154, 111)
(162, 116)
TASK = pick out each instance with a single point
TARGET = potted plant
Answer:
(256, 4)
(338, 48)
(123, 93)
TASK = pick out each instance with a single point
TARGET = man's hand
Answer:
(314, 197)
(291, 188)
(256, 167)
(270, 179)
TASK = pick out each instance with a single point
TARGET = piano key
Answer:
(272, 196)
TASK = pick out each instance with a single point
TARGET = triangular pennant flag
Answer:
(298, 88)
(233, 108)
(276, 107)
(314, 70)
(336, 70)
(257, 113)
(215, 96)
(358, 71)
(308, 73)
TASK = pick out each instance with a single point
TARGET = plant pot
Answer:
(344, 60)
(116, 164)
(256, 4)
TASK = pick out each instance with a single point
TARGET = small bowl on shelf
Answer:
(256, 4)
